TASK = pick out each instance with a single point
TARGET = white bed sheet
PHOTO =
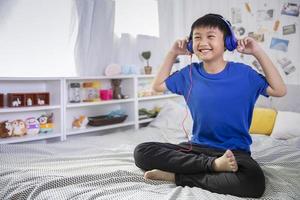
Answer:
(102, 167)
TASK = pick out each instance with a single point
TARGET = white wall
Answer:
(178, 15)
(36, 38)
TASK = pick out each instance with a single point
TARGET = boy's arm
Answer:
(164, 72)
(178, 48)
(276, 86)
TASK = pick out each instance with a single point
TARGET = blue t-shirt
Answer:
(221, 104)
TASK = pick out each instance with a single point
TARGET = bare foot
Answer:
(157, 174)
(225, 163)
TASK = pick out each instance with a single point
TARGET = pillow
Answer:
(263, 121)
(171, 116)
(287, 125)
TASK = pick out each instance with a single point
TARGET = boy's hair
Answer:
(211, 20)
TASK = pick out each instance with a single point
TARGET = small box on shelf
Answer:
(15, 99)
(42, 99)
(28, 99)
(1, 100)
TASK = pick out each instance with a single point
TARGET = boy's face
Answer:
(208, 43)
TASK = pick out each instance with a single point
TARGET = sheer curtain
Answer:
(93, 50)
(97, 45)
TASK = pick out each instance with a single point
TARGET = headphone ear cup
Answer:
(230, 43)
(189, 46)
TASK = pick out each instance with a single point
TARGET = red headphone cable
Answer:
(186, 110)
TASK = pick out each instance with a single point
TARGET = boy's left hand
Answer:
(248, 45)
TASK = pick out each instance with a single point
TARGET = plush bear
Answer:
(6, 129)
(19, 128)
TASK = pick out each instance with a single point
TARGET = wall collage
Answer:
(274, 27)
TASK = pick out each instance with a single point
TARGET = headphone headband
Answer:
(230, 39)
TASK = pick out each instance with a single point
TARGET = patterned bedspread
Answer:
(102, 167)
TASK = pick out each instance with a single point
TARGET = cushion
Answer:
(263, 121)
(287, 125)
(170, 119)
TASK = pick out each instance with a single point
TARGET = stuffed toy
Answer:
(6, 129)
(32, 125)
(46, 123)
(80, 123)
(19, 128)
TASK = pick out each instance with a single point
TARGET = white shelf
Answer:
(100, 77)
(146, 76)
(98, 128)
(30, 78)
(27, 138)
(115, 101)
(163, 96)
(28, 109)
(142, 121)
(65, 112)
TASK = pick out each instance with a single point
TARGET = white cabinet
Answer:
(33, 85)
(103, 107)
(64, 112)
(147, 100)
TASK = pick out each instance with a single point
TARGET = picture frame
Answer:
(289, 29)
(279, 44)
(291, 9)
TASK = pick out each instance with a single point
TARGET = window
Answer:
(136, 17)
(35, 41)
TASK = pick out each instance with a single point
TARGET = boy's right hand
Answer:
(179, 47)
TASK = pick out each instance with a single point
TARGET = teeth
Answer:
(205, 50)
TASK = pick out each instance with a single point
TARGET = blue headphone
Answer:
(230, 39)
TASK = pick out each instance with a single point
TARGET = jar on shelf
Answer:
(90, 91)
(96, 86)
(74, 93)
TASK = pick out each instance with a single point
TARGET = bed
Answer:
(102, 167)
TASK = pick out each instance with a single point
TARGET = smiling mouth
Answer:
(205, 50)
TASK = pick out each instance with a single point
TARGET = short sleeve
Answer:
(259, 82)
(176, 83)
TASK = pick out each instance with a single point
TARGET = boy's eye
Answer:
(211, 36)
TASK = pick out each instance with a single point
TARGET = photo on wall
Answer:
(257, 66)
(236, 15)
(279, 44)
(259, 37)
(291, 9)
(264, 15)
(286, 65)
(289, 29)
(289, 69)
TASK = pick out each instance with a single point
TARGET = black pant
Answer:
(194, 168)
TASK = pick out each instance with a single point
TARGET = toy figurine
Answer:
(46, 123)
(41, 102)
(29, 102)
(5, 129)
(19, 128)
(117, 93)
(32, 125)
(16, 102)
(80, 123)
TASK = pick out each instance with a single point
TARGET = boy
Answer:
(221, 102)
